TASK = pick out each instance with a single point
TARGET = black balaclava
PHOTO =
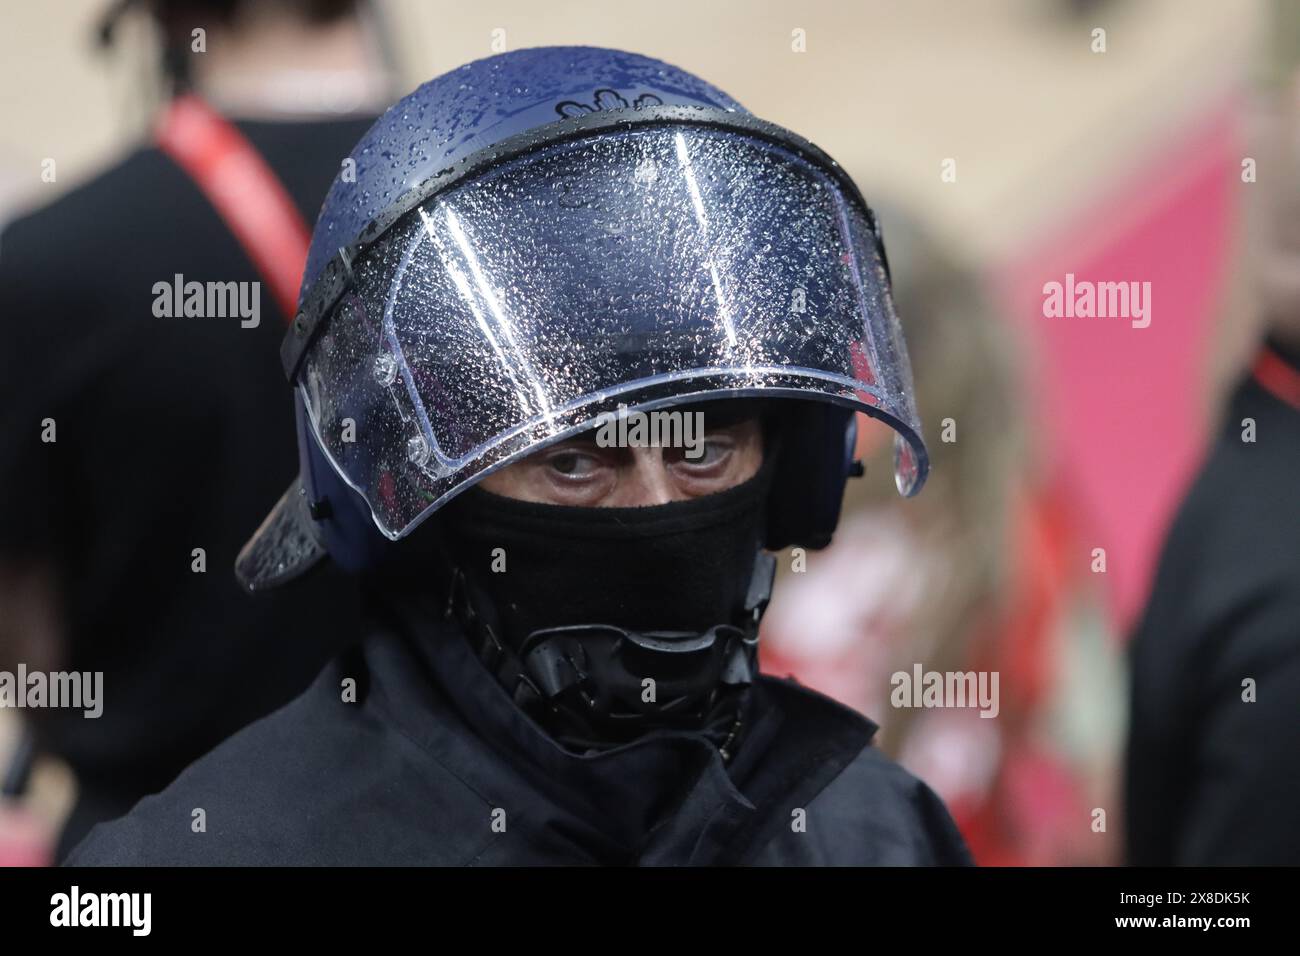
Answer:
(608, 623)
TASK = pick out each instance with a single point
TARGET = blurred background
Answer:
(1003, 147)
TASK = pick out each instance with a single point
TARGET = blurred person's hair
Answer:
(176, 19)
(965, 364)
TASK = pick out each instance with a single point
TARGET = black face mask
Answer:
(608, 623)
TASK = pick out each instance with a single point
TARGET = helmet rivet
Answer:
(385, 369)
(417, 451)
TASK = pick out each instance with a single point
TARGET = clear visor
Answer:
(644, 267)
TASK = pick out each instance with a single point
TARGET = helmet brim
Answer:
(284, 547)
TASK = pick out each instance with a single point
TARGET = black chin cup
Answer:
(589, 684)
(658, 678)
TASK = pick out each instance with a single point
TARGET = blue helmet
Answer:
(535, 239)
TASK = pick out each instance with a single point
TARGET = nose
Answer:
(648, 481)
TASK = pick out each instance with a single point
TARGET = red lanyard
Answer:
(251, 201)
(1276, 376)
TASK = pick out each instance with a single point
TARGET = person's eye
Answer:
(573, 464)
(714, 452)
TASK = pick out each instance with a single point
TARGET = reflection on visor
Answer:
(642, 266)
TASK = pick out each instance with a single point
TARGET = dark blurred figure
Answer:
(1213, 774)
(169, 431)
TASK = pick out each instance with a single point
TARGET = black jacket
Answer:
(1213, 779)
(433, 764)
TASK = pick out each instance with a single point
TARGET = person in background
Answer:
(1213, 763)
(126, 426)
(969, 578)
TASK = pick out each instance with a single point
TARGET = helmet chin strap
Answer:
(597, 686)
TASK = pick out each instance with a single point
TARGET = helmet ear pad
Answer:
(814, 443)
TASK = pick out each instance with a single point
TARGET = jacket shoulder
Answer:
(290, 789)
(874, 813)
